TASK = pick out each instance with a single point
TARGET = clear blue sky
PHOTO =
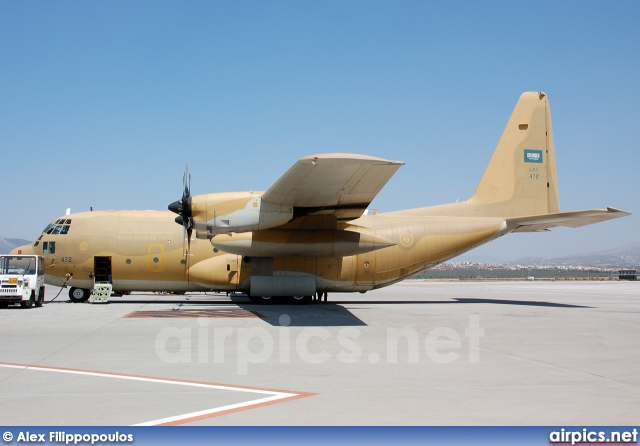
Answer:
(102, 103)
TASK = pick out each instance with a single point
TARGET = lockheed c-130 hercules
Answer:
(309, 234)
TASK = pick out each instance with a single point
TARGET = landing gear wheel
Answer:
(262, 299)
(78, 295)
(28, 303)
(301, 300)
(40, 300)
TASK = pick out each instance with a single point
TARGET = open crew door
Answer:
(102, 269)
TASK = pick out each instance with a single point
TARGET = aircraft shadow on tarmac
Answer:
(528, 303)
(325, 314)
(328, 314)
(460, 300)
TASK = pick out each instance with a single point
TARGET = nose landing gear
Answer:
(79, 295)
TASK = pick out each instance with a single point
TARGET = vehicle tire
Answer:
(78, 295)
(40, 300)
(4, 304)
(28, 303)
(300, 300)
(262, 299)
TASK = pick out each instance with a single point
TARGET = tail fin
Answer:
(520, 179)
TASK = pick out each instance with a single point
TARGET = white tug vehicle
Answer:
(21, 280)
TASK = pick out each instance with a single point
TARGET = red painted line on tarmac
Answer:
(298, 395)
(276, 396)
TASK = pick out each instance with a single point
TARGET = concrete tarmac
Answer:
(416, 353)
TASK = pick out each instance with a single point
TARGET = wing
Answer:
(342, 184)
(571, 219)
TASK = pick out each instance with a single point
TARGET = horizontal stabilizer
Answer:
(576, 219)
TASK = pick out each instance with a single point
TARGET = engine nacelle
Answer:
(236, 212)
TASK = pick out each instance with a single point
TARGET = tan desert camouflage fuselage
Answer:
(308, 233)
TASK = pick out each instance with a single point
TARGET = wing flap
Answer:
(576, 219)
(340, 183)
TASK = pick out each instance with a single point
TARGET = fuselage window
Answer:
(56, 230)
(64, 229)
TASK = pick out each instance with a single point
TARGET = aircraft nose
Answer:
(25, 249)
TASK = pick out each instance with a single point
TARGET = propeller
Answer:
(182, 207)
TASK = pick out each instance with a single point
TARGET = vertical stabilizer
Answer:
(520, 179)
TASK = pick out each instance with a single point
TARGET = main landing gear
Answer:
(298, 300)
(263, 299)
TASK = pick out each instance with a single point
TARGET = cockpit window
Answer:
(60, 226)
(48, 247)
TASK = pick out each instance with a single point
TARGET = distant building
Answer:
(627, 274)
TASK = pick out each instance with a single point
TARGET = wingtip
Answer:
(617, 211)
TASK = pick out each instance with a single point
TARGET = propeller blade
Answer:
(182, 207)
(188, 232)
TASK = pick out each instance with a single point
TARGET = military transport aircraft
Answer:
(309, 234)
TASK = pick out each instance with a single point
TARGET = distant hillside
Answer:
(473, 257)
(627, 256)
(7, 244)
